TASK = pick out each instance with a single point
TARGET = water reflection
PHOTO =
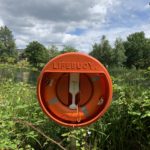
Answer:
(19, 75)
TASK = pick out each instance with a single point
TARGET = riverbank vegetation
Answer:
(125, 126)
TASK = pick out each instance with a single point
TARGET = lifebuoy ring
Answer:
(92, 100)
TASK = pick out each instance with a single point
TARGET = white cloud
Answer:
(1, 22)
(52, 22)
(147, 6)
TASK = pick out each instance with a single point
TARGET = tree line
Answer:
(132, 52)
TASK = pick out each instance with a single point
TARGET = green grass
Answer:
(125, 126)
(20, 65)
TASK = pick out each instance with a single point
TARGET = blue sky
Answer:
(130, 13)
(74, 23)
(77, 31)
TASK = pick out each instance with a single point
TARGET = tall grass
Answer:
(125, 126)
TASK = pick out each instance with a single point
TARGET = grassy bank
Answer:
(20, 65)
(125, 126)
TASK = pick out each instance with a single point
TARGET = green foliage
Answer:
(118, 53)
(137, 50)
(18, 105)
(23, 63)
(10, 138)
(146, 54)
(119, 127)
(134, 52)
(8, 52)
(68, 49)
(37, 54)
(53, 51)
(125, 125)
(76, 138)
(102, 51)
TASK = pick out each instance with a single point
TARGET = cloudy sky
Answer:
(78, 23)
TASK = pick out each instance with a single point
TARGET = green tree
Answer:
(68, 49)
(118, 54)
(146, 54)
(137, 50)
(53, 51)
(37, 54)
(8, 52)
(102, 51)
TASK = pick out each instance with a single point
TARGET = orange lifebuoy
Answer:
(93, 98)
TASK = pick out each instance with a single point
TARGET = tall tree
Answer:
(53, 51)
(102, 51)
(96, 51)
(146, 54)
(118, 54)
(7, 45)
(137, 48)
(37, 54)
(67, 49)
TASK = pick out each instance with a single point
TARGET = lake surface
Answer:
(19, 75)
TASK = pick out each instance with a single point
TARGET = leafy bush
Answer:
(21, 116)
(125, 126)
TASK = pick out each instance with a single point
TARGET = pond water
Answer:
(19, 75)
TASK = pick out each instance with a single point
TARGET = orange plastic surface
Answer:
(94, 96)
